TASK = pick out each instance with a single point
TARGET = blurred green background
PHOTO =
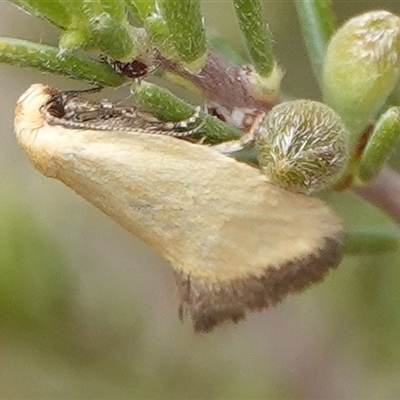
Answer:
(87, 311)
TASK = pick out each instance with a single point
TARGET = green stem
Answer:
(370, 242)
(184, 21)
(317, 23)
(166, 106)
(380, 145)
(257, 35)
(47, 59)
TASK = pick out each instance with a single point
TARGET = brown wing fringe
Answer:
(209, 305)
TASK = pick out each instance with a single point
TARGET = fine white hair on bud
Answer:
(301, 145)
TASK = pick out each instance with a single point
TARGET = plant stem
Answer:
(370, 242)
(219, 81)
(317, 23)
(384, 192)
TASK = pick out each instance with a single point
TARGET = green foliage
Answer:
(47, 59)
(380, 145)
(166, 106)
(34, 286)
(184, 22)
(257, 34)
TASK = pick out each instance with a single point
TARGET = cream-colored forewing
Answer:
(235, 242)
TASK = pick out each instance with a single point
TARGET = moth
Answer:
(235, 242)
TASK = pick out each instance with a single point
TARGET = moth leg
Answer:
(246, 140)
(182, 129)
(233, 146)
(95, 89)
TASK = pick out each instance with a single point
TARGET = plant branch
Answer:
(219, 81)
(317, 23)
(384, 192)
(370, 242)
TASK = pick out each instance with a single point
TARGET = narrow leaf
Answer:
(47, 59)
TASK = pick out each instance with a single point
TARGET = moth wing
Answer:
(236, 243)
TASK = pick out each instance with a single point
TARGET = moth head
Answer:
(31, 128)
(28, 112)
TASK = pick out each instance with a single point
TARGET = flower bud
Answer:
(361, 68)
(302, 145)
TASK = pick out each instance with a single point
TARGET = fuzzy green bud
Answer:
(302, 145)
(361, 68)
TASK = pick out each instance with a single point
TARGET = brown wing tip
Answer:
(210, 304)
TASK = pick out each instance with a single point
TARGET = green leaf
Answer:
(112, 37)
(166, 106)
(380, 145)
(257, 35)
(47, 59)
(184, 21)
(116, 8)
(157, 27)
